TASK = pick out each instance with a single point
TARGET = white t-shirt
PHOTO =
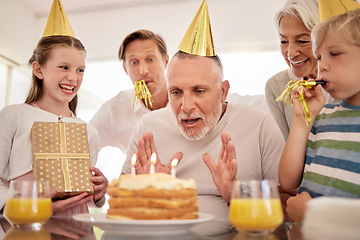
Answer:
(117, 118)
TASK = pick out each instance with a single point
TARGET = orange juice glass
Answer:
(28, 204)
(255, 207)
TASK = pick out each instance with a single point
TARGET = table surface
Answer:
(68, 228)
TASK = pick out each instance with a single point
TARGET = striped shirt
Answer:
(332, 164)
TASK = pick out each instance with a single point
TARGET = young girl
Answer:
(323, 159)
(58, 65)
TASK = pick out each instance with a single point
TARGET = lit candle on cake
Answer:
(133, 161)
(174, 162)
(153, 161)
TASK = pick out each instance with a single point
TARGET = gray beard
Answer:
(209, 121)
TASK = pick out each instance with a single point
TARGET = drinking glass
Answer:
(255, 207)
(28, 204)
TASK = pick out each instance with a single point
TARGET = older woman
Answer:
(294, 23)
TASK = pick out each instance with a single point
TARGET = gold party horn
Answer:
(286, 94)
(142, 93)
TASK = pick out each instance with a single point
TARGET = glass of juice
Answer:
(28, 204)
(255, 207)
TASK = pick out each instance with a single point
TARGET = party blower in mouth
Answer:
(142, 93)
(286, 94)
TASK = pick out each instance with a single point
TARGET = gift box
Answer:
(61, 157)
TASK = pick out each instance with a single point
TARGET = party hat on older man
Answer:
(198, 38)
(57, 23)
(329, 8)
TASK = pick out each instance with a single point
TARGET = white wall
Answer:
(17, 31)
(237, 26)
(231, 32)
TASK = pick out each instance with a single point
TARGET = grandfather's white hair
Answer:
(183, 55)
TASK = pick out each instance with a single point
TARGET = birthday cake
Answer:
(152, 196)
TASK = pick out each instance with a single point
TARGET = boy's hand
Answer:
(296, 206)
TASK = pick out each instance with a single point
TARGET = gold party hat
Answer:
(57, 23)
(329, 8)
(198, 38)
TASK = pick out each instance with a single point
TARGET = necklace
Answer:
(59, 116)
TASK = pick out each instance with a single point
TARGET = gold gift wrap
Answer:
(61, 156)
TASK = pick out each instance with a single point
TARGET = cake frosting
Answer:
(158, 181)
(152, 196)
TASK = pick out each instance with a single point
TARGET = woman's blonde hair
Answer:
(347, 24)
(41, 55)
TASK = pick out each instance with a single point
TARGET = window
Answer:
(249, 72)
(14, 82)
(20, 84)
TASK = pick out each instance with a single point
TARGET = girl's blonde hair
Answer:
(347, 24)
(41, 55)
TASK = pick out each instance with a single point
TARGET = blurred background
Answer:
(244, 35)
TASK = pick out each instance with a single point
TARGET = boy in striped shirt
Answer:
(323, 159)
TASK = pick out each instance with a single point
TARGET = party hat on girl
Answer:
(57, 23)
(198, 38)
(329, 8)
